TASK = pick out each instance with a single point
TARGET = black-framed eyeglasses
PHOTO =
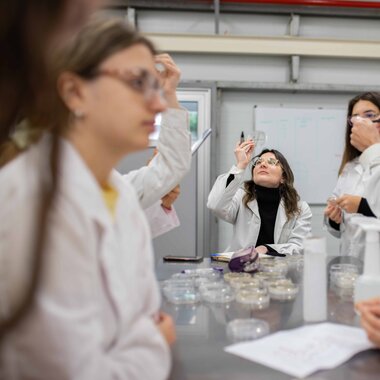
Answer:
(139, 80)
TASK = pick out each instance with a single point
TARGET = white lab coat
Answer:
(168, 167)
(160, 220)
(370, 159)
(165, 171)
(358, 178)
(227, 204)
(94, 313)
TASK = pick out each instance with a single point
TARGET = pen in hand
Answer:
(242, 137)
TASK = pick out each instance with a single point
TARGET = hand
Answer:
(169, 78)
(370, 318)
(166, 326)
(261, 249)
(168, 199)
(334, 213)
(349, 203)
(364, 134)
(243, 153)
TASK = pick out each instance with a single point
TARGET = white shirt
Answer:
(227, 204)
(94, 313)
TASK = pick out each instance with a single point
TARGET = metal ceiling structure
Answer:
(333, 8)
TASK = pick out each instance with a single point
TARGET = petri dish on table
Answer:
(239, 330)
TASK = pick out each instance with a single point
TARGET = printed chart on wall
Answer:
(312, 140)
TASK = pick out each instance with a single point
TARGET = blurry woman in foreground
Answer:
(95, 314)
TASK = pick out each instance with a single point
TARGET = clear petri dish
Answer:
(233, 275)
(221, 293)
(267, 277)
(294, 261)
(181, 295)
(254, 298)
(342, 270)
(283, 291)
(275, 266)
(345, 279)
(237, 283)
(239, 330)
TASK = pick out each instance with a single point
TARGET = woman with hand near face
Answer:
(265, 211)
(94, 313)
(361, 151)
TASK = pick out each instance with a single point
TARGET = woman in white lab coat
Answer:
(94, 309)
(361, 152)
(265, 211)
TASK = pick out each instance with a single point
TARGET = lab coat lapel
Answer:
(281, 219)
(83, 187)
(253, 206)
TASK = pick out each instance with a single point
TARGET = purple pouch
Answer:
(244, 260)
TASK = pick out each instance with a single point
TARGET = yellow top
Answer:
(110, 196)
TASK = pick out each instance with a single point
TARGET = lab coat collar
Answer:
(78, 180)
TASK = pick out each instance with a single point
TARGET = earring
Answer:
(78, 114)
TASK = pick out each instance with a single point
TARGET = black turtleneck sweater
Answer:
(268, 200)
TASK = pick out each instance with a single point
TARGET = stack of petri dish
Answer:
(343, 278)
(282, 290)
(235, 275)
(183, 287)
(181, 292)
(253, 297)
(274, 266)
(217, 292)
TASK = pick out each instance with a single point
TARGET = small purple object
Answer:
(244, 260)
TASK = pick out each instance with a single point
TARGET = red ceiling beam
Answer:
(314, 3)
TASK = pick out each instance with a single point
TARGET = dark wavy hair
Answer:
(287, 191)
(350, 152)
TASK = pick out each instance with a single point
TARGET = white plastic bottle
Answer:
(314, 280)
(368, 284)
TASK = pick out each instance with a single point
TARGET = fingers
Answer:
(349, 203)
(167, 328)
(370, 302)
(343, 201)
(370, 321)
(176, 190)
(167, 61)
(336, 215)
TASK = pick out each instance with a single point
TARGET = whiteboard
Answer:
(312, 140)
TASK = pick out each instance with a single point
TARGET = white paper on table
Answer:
(304, 350)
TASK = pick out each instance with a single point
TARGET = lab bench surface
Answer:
(199, 353)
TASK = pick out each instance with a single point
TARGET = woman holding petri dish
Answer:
(94, 309)
(265, 211)
(361, 150)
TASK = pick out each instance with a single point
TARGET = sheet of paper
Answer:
(304, 350)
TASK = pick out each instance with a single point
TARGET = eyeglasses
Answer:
(270, 161)
(368, 115)
(139, 80)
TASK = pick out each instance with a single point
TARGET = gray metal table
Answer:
(198, 353)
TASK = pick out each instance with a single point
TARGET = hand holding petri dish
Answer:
(259, 138)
